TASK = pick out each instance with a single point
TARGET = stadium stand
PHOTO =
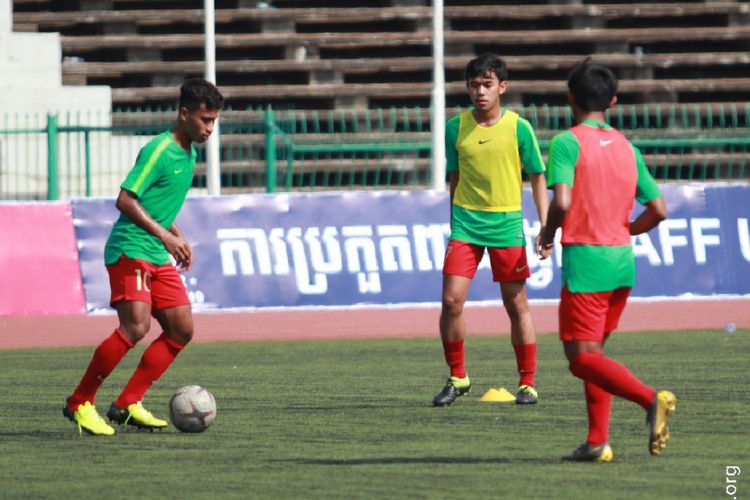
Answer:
(684, 70)
(316, 55)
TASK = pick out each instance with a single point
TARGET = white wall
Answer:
(31, 88)
(32, 74)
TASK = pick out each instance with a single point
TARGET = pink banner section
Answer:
(39, 269)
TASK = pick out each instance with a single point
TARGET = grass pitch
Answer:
(352, 419)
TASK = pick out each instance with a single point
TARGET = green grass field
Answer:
(351, 419)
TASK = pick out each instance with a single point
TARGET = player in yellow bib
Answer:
(488, 149)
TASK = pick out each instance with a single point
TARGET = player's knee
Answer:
(452, 305)
(136, 331)
(183, 335)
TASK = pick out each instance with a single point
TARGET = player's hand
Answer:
(543, 248)
(180, 249)
(186, 263)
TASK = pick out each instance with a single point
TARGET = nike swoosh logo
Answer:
(178, 171)
(484, 141)
(519, 269)
(604, 143)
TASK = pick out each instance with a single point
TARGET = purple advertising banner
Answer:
(386, 247)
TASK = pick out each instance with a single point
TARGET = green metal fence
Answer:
(61, 156)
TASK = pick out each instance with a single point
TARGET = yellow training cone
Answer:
(500, 395)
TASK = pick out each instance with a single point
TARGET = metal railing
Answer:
(62, 156)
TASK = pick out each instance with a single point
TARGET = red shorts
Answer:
(508, 264)
(590, 315)
(136, 279)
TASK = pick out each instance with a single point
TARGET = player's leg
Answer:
(510, 269)
(452, 324)
(585, 316)
(177, 324)
(663, 403)
(129, 282)
(459, 268)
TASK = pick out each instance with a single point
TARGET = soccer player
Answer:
(143, 281)
(487, 148)
(596, 175)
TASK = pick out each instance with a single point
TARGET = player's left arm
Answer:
(649, 195)
(533, 163)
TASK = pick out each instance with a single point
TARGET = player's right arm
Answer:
(451, 155)
(175, 243)
(148, 168)
(563, 156)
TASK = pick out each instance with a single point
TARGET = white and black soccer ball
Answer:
(192, 408)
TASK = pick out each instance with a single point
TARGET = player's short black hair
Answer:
(487, 63)
(593, 85)
(197, 91)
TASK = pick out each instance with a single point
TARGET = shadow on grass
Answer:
(40, 435)
(423, 460)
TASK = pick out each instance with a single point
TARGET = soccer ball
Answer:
(192, 408)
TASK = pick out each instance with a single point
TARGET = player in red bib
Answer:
(596, 175)
(143, 281)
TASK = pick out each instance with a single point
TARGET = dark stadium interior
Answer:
(669, 51)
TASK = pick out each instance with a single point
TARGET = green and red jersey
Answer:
(606, 174)
(486, 207)
(160, 179)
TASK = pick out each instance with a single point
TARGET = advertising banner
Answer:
(39, 271)
(386, 247)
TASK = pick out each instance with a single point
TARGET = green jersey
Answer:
(160, 179)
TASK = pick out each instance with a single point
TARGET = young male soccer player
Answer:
(596, 174)
(486, 150)
(142, 279)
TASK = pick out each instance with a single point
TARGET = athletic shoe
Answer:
(454, 387)
(526, 395)
(135, 415)
(589, 453)
(88, 419)
(664, 404)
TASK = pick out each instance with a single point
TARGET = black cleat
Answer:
(526, 395)
(591, 453)
(454, 387)
(135, 415)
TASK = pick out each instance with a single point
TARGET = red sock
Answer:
(156, 359)
(613, 377)
(454, 356)
(106, 357)
(526, 362)
(598, 404)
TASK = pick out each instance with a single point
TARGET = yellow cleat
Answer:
(590, 453)
(89, 420)
(663, 406)
(135, 415)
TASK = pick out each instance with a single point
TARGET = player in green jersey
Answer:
(143, 281)
(487, 149)
(596, 175)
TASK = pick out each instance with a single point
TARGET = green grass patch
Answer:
(352, 419)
